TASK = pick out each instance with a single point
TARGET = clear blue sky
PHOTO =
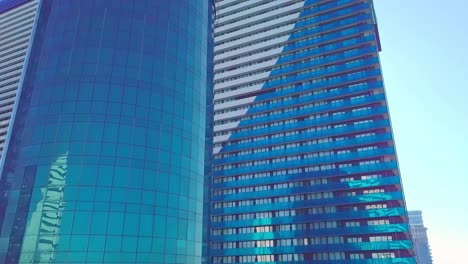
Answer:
(425, 67)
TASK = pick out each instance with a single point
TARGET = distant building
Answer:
(16, 24)
(420, 241)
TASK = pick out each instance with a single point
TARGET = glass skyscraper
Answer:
(105, 159)
(305, 168)
(421, 246)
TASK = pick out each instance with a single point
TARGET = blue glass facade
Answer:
(6, 5)
(106, 160)
(305, 169)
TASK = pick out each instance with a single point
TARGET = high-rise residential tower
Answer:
(305, 169)
(16, 23)
(105, 159)
(421, 246)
